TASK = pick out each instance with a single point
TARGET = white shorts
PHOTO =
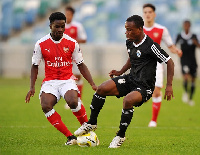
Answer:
(159, 75)
(58, 87)
(75, 69)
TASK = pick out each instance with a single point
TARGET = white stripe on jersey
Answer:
(158, 53)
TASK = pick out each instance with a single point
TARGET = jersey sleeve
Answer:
(159, 53)
(81, 32)
(166, 38)
(77, 55)
(37, 55)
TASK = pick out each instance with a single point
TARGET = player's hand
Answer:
(94, 87)
(29, 95)
(168, 93)
(179, 52)
(114, 73)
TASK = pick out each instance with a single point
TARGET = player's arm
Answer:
(82, 36)
(123, 70)
(195, 41)
(36, 59)
(34, 73)
(169, 43)
(170, 74)
(86, 74)
(175, 50)
(78, 58)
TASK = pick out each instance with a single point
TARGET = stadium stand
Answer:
(103, 20)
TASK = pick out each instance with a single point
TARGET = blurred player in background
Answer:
(137, 86)
(158, 33)
(58, 50)
(76, 31)
(188, 42)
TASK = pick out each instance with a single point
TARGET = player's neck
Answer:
(149, 24)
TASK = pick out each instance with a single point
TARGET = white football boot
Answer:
(117, 142)
(185, 98)
(152, 124)
(85, 128)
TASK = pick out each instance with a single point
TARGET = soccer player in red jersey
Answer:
(58, 50)
(158, 33)
(76, 31)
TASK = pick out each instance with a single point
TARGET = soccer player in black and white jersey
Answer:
(188, 42)
(137, 86)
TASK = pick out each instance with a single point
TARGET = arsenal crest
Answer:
(66, 49)
(155, 34)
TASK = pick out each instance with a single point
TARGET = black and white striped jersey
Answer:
(143, 58)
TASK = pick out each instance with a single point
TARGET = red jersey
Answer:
(75, 30)
(58, 56)
(159, 33)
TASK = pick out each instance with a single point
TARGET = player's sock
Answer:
(192, 90)
(80, 86)
(55, 119)
(96, 105)
(80, 113)
(126, 118)
(185, 85)
(156, 107)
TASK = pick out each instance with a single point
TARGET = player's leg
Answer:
(134, 98)
(107, 88)
(192, 89)
(69, 92)
(185, 72)
(157, 99)
(71, 98)
(157, 96)
(47, 102)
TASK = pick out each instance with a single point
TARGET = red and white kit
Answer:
(75, 30)
(159, 33)
(58, 57)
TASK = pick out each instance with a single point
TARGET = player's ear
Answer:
(50, 25)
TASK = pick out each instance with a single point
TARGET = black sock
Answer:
(96, 105)
(185, 85)
(126, 118)
(192, 90)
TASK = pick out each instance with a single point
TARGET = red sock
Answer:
(155, 110)
(56, 121)
(81, 115)
(80, 88)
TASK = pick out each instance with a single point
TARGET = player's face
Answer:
(186, 26)
(148, 14)
(57, 29)
(69, 16)
(132, 32)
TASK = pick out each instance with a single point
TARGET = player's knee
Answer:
(101, 90)
(46, 108)
(72, 104)
(127, 103)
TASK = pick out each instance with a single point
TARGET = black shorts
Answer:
(125, 85)
(192, 70)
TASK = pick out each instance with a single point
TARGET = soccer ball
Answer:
(89, 139)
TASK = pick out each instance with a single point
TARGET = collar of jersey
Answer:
(186, 36)
(54, 40)
(136, 45)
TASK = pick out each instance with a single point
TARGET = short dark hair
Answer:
(69, 8)
(187, 21)
(149, 5)
(57, 16)
(137, 20)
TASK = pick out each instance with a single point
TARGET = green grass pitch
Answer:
(25, 130)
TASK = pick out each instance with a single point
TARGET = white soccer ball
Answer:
(89, 139)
